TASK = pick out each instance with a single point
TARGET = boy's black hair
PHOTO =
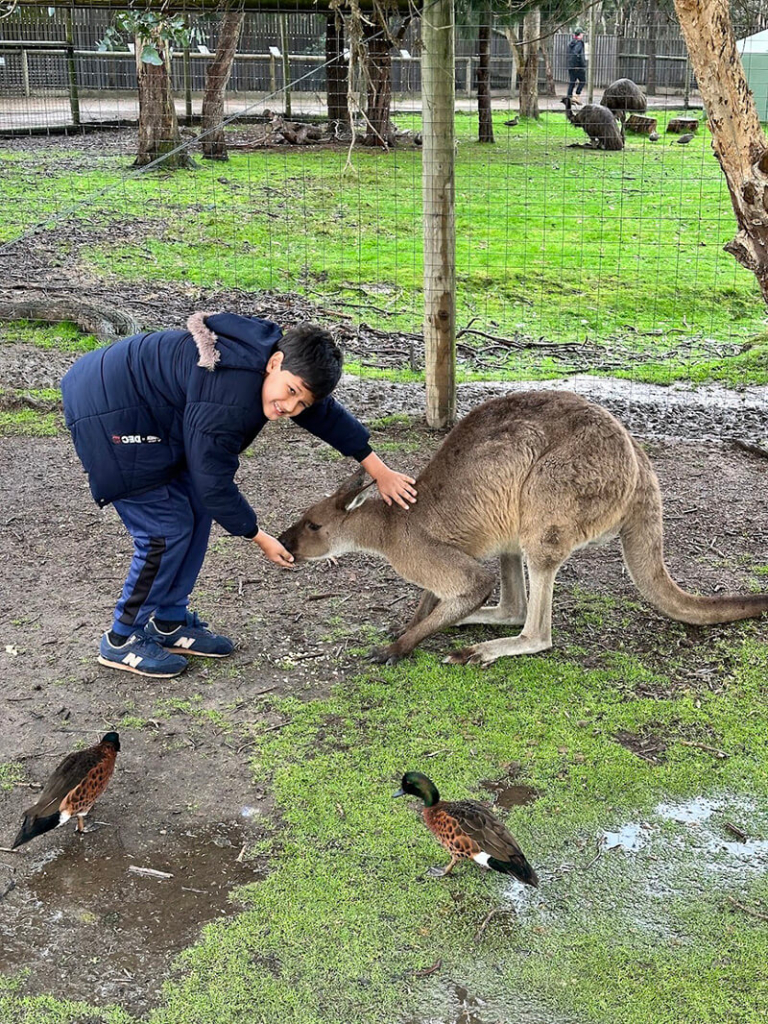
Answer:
(311, 353)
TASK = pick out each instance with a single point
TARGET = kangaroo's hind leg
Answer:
(512, 606)
(537, 631)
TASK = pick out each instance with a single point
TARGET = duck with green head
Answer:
(468, 830)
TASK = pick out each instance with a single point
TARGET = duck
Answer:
(71, 790)
(468, 830)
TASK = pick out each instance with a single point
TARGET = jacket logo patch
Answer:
(136, 439)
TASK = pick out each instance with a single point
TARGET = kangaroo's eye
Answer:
(313, 526)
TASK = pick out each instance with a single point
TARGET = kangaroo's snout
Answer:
(288, 539)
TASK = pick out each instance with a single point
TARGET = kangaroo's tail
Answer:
(642, 538)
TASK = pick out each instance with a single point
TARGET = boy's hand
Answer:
(274, 550)
(392, 486)
(397, 487)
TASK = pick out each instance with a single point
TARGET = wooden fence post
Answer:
(74, 97)
(286, 65)
(439, 194)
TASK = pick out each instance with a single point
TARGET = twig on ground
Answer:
(267, 689)
(428, 970)
(489, 917)
(150, 872)
(736, 831)
(595, 859)
(721, 754)
(747, 910)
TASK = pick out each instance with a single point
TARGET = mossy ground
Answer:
(344, 922)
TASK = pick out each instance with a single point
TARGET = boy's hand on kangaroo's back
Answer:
(397, 487)
(274, 550)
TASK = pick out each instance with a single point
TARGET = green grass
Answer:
(343, 922)
(11, 774)
(65, 336)
(29, 423)
(564, 244)
(345, 918)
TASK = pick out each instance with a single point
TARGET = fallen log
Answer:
(105, 322)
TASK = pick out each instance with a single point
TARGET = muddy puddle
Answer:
(508, 794)
(79, 912)
(722, 832)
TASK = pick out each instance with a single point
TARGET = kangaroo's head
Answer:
(322, 532)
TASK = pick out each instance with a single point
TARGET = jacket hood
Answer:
(234, 341)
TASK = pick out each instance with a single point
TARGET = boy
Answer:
(158, 421)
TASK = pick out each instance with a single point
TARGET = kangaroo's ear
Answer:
(360, 497)
(351, 487)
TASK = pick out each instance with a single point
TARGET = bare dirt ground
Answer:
(183, 799)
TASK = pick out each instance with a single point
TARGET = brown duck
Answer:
(469, 831)
(72, 790)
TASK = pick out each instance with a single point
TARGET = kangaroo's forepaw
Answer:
(384, 656)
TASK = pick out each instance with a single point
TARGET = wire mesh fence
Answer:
(569, 257)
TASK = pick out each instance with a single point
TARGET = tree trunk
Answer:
(439, 210)
(737, 137)
(158, 126)
(379, 73)
(485, 127)
(650, 66)
(337, 70)
(516, 51)
(529, 67)
(546, 53)
(219, 71)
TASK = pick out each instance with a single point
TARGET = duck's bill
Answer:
(400, 792)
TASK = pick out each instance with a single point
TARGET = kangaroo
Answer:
(529, 477)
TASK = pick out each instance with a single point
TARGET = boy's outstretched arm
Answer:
(393, 486)
(329, 420)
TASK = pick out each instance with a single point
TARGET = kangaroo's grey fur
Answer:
(533, 477)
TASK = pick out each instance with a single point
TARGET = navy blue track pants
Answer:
(170, 530)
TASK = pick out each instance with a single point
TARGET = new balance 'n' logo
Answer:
(184, 641)
(132, 660)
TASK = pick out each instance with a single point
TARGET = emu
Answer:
(598, 122)
(621, 96)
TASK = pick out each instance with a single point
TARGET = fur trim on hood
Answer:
(205, 340)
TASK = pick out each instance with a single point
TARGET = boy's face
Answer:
(283, 393)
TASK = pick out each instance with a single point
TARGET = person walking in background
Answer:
(577, 64)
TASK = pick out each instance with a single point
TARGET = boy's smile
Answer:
(283, 393)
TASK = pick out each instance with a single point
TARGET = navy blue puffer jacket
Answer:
(148, 407)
